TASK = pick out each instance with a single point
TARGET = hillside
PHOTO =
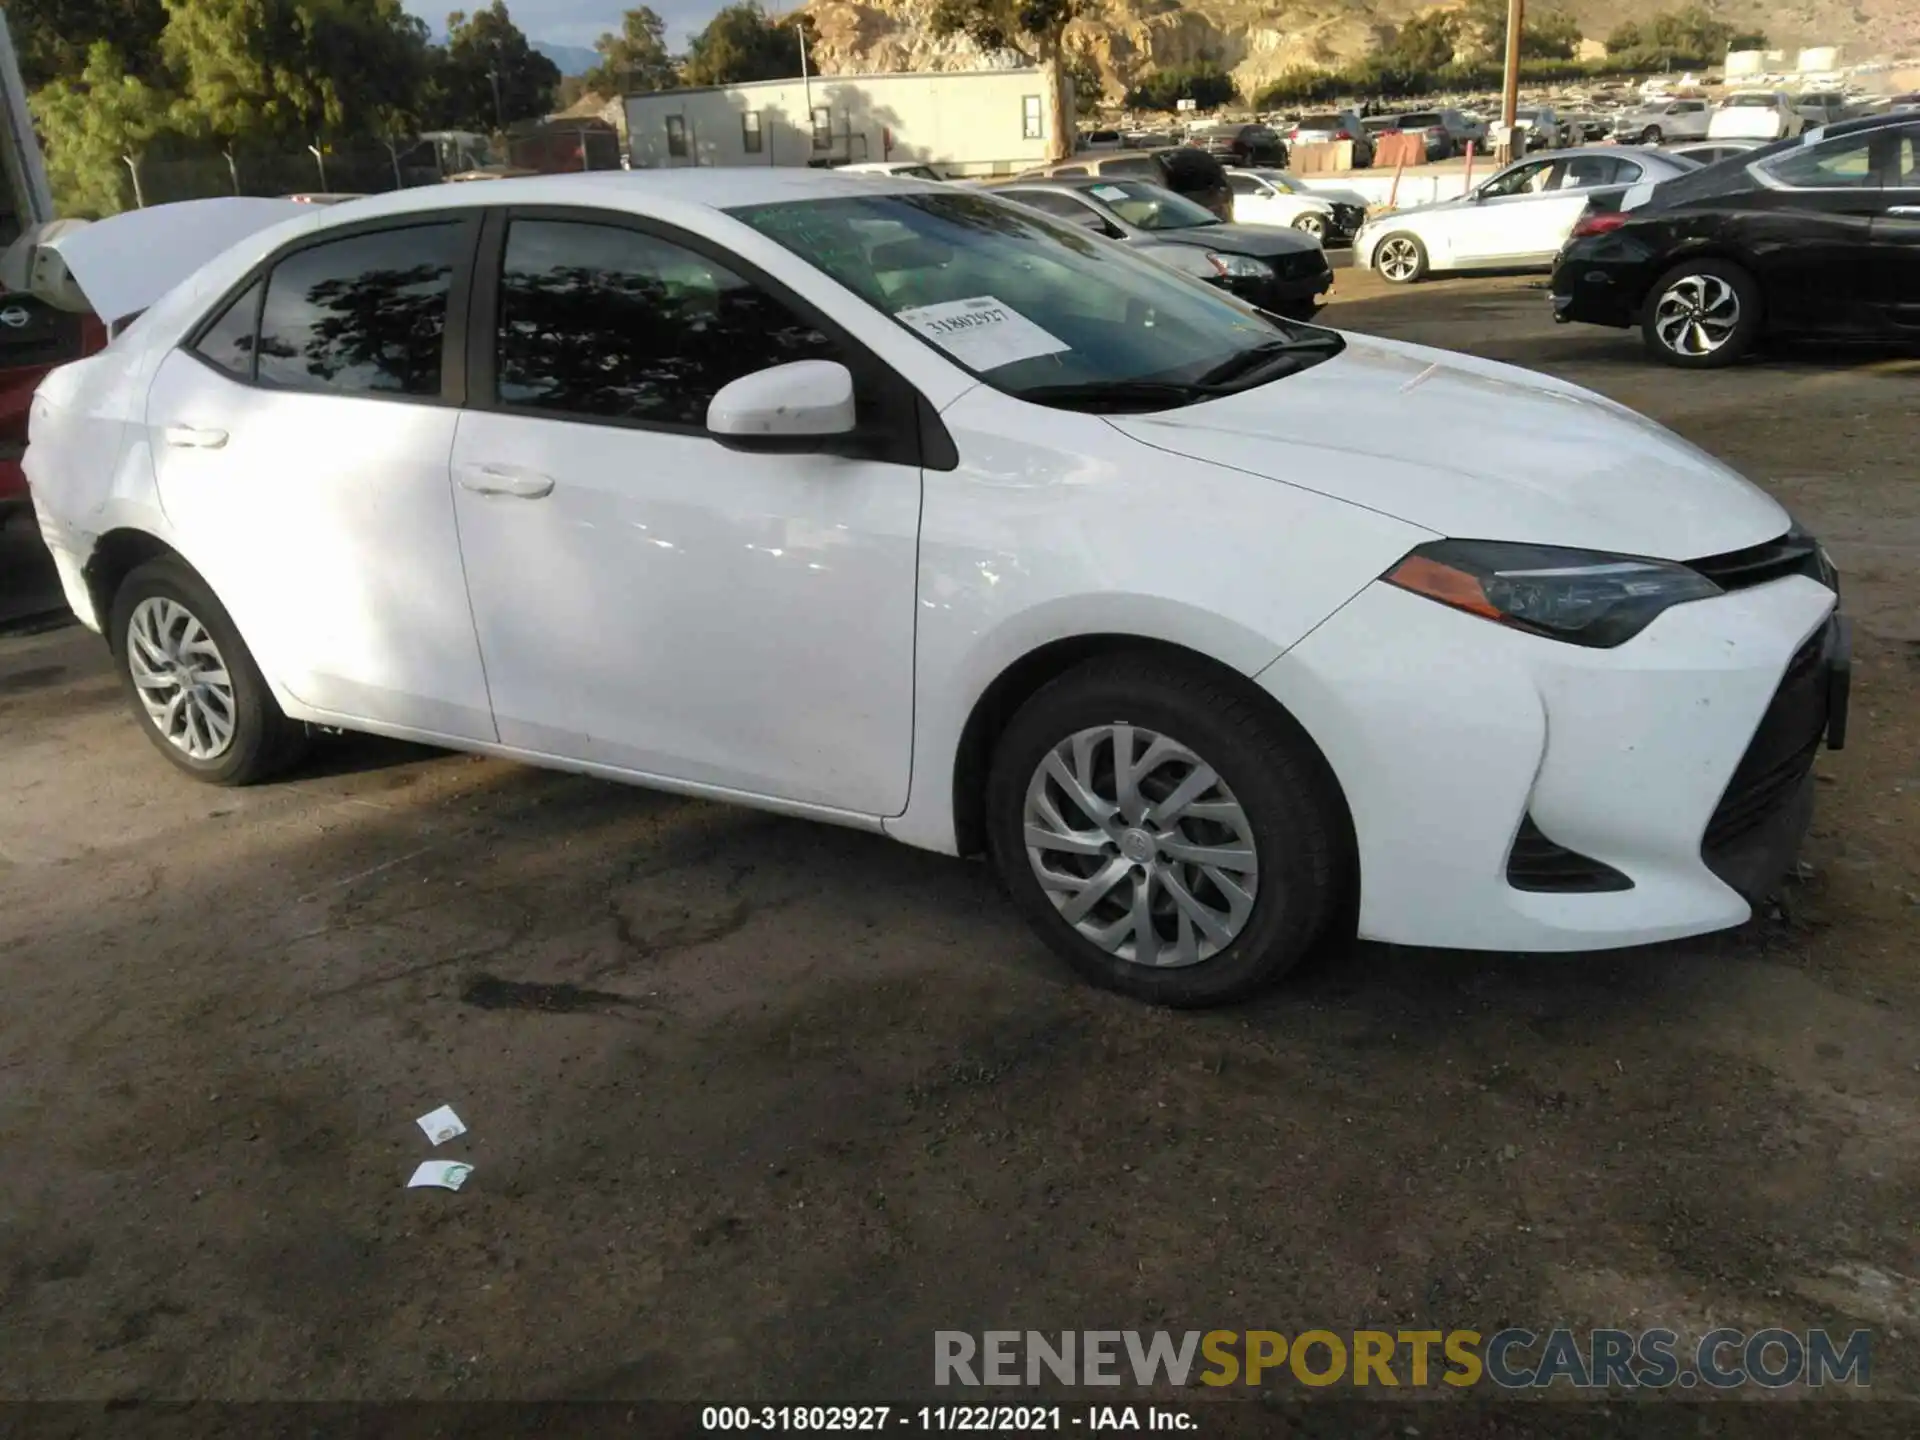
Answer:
(1257, 39)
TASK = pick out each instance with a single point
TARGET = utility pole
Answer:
(806, 80)
(499, 122)
(1510, 88)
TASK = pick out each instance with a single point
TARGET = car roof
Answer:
(1856, 125)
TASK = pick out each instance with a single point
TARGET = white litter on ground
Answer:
(447, 1174)
(441, 1125)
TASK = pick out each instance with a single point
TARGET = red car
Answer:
(34, 338)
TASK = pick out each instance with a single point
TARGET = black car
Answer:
(1184, 169)
(1813, 237)
(1273, 266)
(1243, 145)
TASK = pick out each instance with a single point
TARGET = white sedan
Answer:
(1518, 218)
(1273, 197)
(907, 509)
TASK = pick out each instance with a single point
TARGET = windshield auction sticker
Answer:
(981, 332)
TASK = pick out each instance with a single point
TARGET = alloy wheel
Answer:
(181, 678)
(1141, 846)
(1398, 258)
(1311, 224)
(1696, 314)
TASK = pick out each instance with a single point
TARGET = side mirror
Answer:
(786, 409)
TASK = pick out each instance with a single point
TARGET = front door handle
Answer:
(505, 480)
(194, 437)
(1903, 209)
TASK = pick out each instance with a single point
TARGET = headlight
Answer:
(1242, 267)
(1581, 596)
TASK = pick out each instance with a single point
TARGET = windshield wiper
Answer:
(1267, 355)
(1125, 396)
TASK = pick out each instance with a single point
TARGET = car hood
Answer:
(1473, 449)
(1263, 241)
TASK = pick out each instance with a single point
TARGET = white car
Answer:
(1272, 197)
(1538, 128)
(911, 510)
(1755, 115)
(900, 169)
(1518, 218)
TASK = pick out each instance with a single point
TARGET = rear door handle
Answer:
(505, 480)
(194, 437)
(1903, 209)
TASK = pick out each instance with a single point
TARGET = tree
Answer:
(54, 38)
(1035, 30)
(291, 70)
(1625, 38)
(1748, 40)
(1208, 86)
(1549, 35)
(743, 43)
(1298, 85)
(636, 60)
(489, 76)
(1425, 42)
(1089, 85)
(90, 123)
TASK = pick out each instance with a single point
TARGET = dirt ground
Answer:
(757, 1106)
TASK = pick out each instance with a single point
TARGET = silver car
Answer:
(1328, 126)
(1664, 120)
(1517, 219)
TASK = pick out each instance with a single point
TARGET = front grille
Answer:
(1538, 864)
(1792, 554)
(1348, 217)
(1771, 778)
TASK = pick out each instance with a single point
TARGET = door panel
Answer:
(1810, 237)
(648, 599)
(1895, 261)
(318, 504)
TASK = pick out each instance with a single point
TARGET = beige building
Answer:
(966, 122)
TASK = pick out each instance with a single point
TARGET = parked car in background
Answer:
(893, 507)
(1333, 125)
(1540, 128)
(1184, 169)
(1712, 152)
(1102, 140)
(902, 169)
(1755, 115)
(1447, 132)
(1662, 121)
(1270, 197)
(1822, 107)
(34, 338)
(1278, 268)
(1518, 218)
(1817, 239)
(1243, 145)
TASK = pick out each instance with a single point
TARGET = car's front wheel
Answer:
(1401, 258)
(1164, 831)
(1313, 223)
(193, 685)
(1651, 135)
(1701, 314)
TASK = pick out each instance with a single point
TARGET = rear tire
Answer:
(1204, 878)
(191, 681)
(1702, 314)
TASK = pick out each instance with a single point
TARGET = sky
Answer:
(575, 22)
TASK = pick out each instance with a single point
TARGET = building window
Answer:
(1031, 127)
(677, 136)
(750, 132)
(822, 128)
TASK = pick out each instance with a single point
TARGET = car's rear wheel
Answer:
(1401, 258)
(1164, 832)
(1312, 223)
(193, 685)
(1701, 314)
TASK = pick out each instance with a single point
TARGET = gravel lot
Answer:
(756, 1106)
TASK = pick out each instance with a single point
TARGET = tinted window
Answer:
(1420, 121)
(1521, 180)
(1051, 201)
(1131, 165)
(1747, 102)
(1906, 159)
(228, 342)
(600, 321)
(1244, 185)
(364, 315)
(1839, 164)
(1585, 171)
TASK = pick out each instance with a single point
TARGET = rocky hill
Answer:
(1257, 39)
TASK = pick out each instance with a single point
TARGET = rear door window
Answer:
(1837, 165)
(228, 342)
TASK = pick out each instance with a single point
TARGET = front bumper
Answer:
(1294, 290)
(1680, 760)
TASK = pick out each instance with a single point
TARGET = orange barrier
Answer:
(1318, 159)
(1400, 147)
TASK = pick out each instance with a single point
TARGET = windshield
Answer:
(1748, 102)
(1148, 207)
(1038, 309)
(1321, 122)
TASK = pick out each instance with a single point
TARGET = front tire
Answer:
(191, 681)
(1312, 223)
(1702, 314)
(1165, 832)
(1400, 258)
(1652, 135)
